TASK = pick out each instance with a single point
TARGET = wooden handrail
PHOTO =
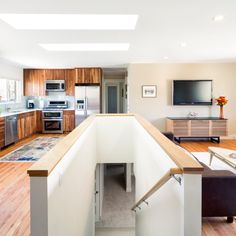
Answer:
(158, 185)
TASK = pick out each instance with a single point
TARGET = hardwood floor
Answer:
(14, 194)
(202, 146)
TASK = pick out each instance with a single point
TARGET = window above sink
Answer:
(10, 90)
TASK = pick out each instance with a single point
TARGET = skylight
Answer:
(70, 21)
(86, 47)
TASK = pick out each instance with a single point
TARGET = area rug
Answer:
(216, 164)
(32, 151)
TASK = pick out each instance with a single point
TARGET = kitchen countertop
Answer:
(24, 110)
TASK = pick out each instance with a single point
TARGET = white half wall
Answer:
(71, 189)
(157, 109)
(173, 209)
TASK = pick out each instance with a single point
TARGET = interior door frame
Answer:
(109, 84)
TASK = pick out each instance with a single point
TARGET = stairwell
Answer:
(117, 218)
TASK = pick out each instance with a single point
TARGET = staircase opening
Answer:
(116, 212)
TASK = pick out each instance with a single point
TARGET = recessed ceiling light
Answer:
(218, 18)
(183, 44)
(86, 46)
(70, 21)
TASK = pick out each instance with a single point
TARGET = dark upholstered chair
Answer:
(218, 191)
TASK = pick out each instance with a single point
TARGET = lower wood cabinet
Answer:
(2, 132)
(26, 124)
(69, 120)
(39, 122)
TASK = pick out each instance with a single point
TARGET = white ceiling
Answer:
(162, 25)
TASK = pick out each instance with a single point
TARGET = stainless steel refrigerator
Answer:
(87, 101)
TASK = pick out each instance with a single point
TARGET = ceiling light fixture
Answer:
(183, 44)
(85, 46)
(218, 18)
(70, 21)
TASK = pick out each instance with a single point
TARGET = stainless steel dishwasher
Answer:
(11, 134)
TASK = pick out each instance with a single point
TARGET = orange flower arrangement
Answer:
(221, 101)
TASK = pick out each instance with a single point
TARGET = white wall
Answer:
(10, 71)
(157, 109)
(114, 139)
(166, 204)
(173, 209)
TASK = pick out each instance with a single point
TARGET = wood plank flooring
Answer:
(14, 194)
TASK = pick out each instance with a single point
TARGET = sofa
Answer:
(218, 191)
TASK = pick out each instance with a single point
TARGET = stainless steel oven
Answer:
(53, 121)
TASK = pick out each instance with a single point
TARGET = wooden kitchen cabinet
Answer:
(34, 80)
(69, 120)
(21, 126)
(39, 122)
(26, 124)
(2, 132)
(30, 123)
(88, 75)
(54, 74)
(95, 75)
(70, 82)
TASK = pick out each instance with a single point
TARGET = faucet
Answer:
(7, 108)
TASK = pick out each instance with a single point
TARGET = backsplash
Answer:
(44, 99)
(13, 105)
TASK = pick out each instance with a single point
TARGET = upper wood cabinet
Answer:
(34, 79)
(55, 74)
(34, 82)
(88, 75)
(70, 82)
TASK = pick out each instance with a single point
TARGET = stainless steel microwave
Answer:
(55, 85)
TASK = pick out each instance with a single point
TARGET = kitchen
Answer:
(55, 101)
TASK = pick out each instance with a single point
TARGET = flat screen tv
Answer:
(192, 92)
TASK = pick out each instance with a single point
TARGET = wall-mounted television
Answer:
(192, 92)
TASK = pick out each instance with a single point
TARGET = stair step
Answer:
(115, 231)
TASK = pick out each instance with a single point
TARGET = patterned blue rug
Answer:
(32, 151)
